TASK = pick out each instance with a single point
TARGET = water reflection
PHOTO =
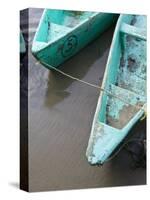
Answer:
(78, 66)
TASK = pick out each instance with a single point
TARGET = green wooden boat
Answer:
(123, 101)
(61, 33)
(22, 44)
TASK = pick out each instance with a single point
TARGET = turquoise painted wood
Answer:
(125, 78)
(22, 44)
(61, 33)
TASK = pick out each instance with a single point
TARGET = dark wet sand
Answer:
(60, 117)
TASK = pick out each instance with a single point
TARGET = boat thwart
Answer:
(123, 99)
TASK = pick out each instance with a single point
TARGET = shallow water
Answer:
(60, 112)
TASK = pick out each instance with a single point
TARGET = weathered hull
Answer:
(124, 100)
(71, 39)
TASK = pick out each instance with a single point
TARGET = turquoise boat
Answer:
(122, 101)
(62, 33)
(22, 44)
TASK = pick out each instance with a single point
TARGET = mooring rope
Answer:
(108, 93)
(93, 85)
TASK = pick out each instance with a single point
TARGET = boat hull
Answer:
(123, 101)
(73, 40)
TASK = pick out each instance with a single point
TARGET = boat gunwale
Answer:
(47, 44)
(99, 103)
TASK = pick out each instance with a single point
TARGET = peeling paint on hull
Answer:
(61, 34)
(125, 77)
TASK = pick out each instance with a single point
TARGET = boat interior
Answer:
(59, 22)
(126, 81)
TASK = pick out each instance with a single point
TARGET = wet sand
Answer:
(60, 113)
